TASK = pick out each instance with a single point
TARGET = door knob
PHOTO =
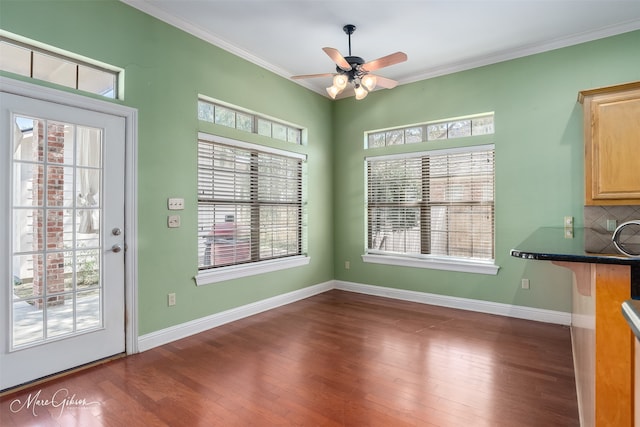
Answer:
(116, 231)
(116, 248)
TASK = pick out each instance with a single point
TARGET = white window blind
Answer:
(438, 203)
(249, 204)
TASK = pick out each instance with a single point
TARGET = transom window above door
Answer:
(43, 64)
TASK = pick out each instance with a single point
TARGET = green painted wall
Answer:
(538, 152)
(165, 70)
(539, 162)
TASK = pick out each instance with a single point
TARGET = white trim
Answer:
(251, 146)
(468, 64)
(173, 333)
(439, 152)
(534, 49)
(432, 122)
(157, 12)
(131, 231)
(214, 275)
(465, 266)
(131, 183)
(256, 114)
(508, 310)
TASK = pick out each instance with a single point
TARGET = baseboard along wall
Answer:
(173, 333)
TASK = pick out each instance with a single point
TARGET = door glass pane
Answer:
(89, 147)
(23, 266)
(25, 141)
(88, 225)
(57, 170)
(88, 268)
(24, 232)
(27, 323)
(59, 143)
(60, 315)
(88, 310)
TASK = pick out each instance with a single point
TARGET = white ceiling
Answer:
(439, 36)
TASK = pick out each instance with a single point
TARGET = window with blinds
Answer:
(438, 203)
(249, 203)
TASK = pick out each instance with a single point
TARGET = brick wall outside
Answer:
(53, 225)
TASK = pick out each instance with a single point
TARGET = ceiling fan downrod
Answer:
(349, 29)
(354, 61)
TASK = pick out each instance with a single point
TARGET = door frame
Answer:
(30, 90)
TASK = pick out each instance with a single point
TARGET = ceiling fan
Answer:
(353, 69)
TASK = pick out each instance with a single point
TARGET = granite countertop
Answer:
(586, 245)
(631, 312)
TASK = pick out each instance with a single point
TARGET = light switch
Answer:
(175, 204)
(173, 221)
(568, 221)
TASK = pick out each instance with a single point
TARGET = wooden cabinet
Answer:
(612, 144)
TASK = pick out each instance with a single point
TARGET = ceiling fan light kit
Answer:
(355, 71)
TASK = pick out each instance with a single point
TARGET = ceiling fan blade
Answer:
(385, 61)
(385, 82)
(312, 76)
(337, 58)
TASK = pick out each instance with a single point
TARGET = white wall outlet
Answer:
(175, 204)
(612, 224)
(568, 221)
(568, 233)
(347, 265)
(173, 221)
(171, 299)
(525, 284)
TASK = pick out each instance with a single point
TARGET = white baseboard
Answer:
(508, 310)
(173, 333)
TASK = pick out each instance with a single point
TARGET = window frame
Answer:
(478, 124)
(436, 262)
(224, 273)
(80, 67)
(253, 121)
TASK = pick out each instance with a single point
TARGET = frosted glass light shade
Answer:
(340, 81)
(333, 91)
(361, 92)
(369, 81)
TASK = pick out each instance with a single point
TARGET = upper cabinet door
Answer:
(612, 144)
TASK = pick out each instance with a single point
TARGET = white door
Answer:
(62, 237)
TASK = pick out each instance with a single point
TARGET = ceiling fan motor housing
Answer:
(354, 72)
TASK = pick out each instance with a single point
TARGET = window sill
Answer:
(206, 277)
(435, 263)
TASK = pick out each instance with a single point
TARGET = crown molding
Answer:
(522, 52)
(159, 13)
(146, 6)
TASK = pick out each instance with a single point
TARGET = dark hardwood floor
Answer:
(336, 359)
